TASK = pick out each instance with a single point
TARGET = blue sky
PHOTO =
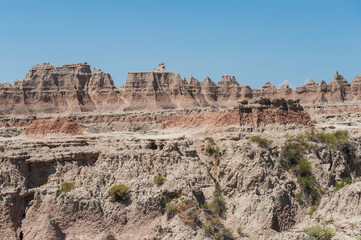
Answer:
(257, 41)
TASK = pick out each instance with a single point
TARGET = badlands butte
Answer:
(169, 158)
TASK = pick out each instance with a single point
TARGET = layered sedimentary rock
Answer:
(264, 111)
(254, 113)
(53, 125)
(75, 88)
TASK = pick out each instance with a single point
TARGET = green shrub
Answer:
(316, 196)
(294, 147)
(211, 150)
(262, 142)
(306, 182)
(109, 236)
(345, 181)
(210, 139)
(312, 210)
(211, 224)
(227, 233)
(318, 232)
(299, 197)
(171, 210)
(304, 167)
(240, 231)
(218, 205)
(65, 187)
(314, 121)
(159, 180)
(119, 193)
(338, 138)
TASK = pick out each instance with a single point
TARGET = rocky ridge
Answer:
(76, 88)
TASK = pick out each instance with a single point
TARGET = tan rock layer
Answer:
(75, 88)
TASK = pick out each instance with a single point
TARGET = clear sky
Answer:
(257, 41)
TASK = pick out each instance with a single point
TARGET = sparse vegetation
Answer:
(65, 187)
(262, 142)
(240, 231)
(159, 180)
(211, 150)
(292, 152)
(299, 197)
(218, 203)
(119, 193)
(211, 224)
(182, 208)
(319, 232)
(304, 167)
(314, 121)
(345, 181)
(312, 210)
(108, 235)
(227, 233)
(338, 138)
(171, 210)
(210, 139)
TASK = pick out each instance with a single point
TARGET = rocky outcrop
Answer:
(265, 111)
(213, 185)
(253, 113)
(75, 88)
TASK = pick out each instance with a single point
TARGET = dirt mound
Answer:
(53, 125)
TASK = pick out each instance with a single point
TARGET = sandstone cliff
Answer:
(75, 88)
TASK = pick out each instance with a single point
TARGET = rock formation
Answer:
(217, 183)
(53, 125)
(75, 88)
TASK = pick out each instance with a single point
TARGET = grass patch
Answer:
(119, 193)
(319, 232)
(345, 181)
(312, 210)
(159, 180)
(65, 187)
(299, 198)
(262, 142)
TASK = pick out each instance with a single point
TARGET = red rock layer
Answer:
(53, 125)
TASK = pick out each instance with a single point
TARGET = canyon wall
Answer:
(76, 88)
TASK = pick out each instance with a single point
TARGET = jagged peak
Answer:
(207, 82)
(192, 80)
(267, 84)
(285, 86)
(228, 80)
(160, 68)
(338, 78)
(357, 78)
(311, 82)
